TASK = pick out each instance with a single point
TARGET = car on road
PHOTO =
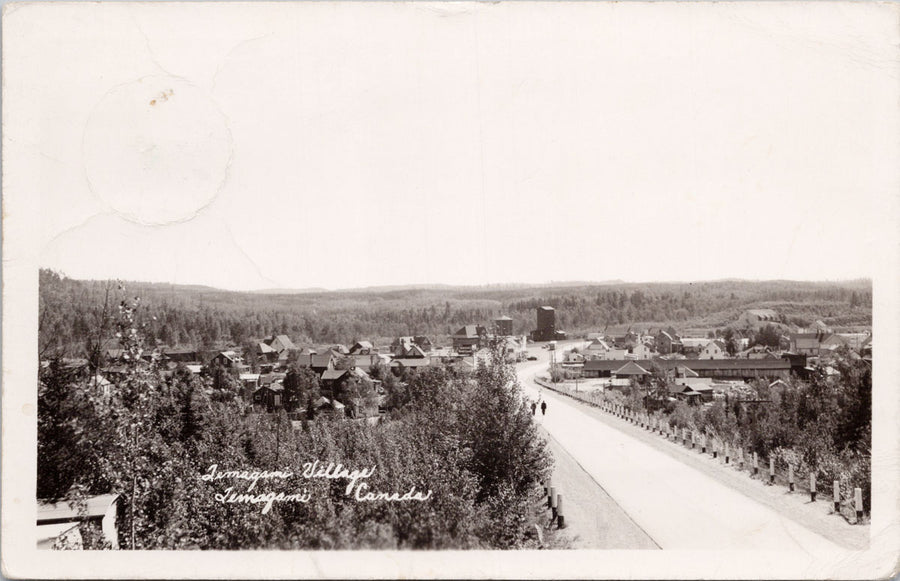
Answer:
(532, 358)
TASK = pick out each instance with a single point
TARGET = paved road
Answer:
(677, 506)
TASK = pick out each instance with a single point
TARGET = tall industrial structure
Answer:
(546, 326)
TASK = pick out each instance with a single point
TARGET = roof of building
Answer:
(598, 344)
(414, 351)
(96, 506)
(411, 362)
(321, 359)
(263, 348)
(546, 308)
(467, 332)
(249, 377)
(503, 318)
(692, 364)
(631, 368)
(360, 345)
(285, 341)
(331, 374)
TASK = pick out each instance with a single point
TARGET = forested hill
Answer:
(203, 317)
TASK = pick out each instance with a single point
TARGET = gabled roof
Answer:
(361, 345)
(283, 340)
(503, 318)
(631, 368)
(324, 401)
(414, 351)
(467, 332)
(321, 360)
(263, 348)
(331, 374)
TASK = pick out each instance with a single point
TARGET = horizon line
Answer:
(439, 285)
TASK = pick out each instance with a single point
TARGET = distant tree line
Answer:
(71, 312)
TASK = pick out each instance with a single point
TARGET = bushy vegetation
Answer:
(72, 312)
(823, 424)
(469, 439)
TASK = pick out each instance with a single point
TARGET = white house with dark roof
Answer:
(714, 350)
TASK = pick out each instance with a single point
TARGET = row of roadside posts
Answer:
(555, 504)
(693, 440)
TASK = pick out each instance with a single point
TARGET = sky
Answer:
(341, 145)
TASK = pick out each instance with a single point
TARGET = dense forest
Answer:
(466, 440)
(70, 311)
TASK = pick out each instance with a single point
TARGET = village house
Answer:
(815, 344)
(329, 407)
(281, 343)
(318, 362)
(399, 365)
(573, 356)
(691, 346)
(667, 342)
(362, 348)
(266, 353)
(627, 341)
(714, 350)
(228, 359)
(632, 371)
(642, 351)
(269, 396)
(368, 362)
(468, 339)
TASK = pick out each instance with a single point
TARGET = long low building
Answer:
(715, 368)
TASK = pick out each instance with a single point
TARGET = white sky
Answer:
(345, 145)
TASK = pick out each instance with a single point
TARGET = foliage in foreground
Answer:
(468, 439)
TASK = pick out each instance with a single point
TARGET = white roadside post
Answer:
(812, 485)
(755, 463)
(771, 470)
(836, 496)
(857, 497)
(560, 519)
(727, 457)
(791, 477)
(553, 500)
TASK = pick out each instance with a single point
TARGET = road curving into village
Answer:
(674, 504)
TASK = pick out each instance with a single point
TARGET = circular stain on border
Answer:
(156, 150)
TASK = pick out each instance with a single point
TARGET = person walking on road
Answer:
(543, 408)
(533, 408)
